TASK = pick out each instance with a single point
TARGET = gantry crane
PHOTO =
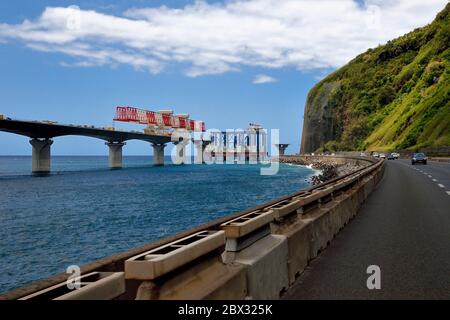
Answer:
(161, 122)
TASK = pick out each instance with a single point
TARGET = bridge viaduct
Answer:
(41, 136)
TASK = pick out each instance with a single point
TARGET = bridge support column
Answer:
(200, 149)
(158, 154)
(115, 154)
(41, 158)
(179, 153)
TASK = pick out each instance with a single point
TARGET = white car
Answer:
(375, 154)
(396, 155)
(382, 156)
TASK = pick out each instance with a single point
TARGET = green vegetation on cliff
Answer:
(395, 96)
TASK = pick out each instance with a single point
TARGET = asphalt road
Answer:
(404, 228)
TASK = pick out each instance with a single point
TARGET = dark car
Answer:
(419, 158)
(390, 156)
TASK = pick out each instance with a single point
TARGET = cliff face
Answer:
(396, 96)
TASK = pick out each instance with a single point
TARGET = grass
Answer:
(395, 96)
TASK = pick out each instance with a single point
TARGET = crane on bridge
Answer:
(162, 122)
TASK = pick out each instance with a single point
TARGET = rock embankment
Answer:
(329, 168)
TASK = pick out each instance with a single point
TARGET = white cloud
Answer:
(218, 38)
(262, 78)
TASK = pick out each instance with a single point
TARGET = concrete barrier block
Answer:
(209, 279)
(335, 217)
(266, 262)
(353, 203)
(159, 261)
(320, 232)
(93, 286)
(345, 210)
(369, 185)
(285, 207)
(298, 235)
(316, 194)
(247, 223)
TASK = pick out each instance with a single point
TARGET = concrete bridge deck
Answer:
(42, 133)
(404, 228)
(42, 130)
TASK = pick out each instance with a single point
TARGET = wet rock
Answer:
(329, 168)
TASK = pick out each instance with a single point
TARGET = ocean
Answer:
(83, 211)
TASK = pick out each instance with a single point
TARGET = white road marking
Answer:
(434, 180)
(448, 192)
(441, 185)
(430, 176)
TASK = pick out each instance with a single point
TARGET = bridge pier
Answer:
(115, 154)
(200, 149)
(179, 153)
(158, 154)
(41, 158)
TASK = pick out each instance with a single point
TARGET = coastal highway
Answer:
(403, 227)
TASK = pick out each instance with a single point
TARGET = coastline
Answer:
(329, 168)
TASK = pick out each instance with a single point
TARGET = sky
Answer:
(227, 63)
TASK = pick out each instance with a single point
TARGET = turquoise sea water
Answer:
(83, 211)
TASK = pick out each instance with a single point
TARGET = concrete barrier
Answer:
(159, 261)
(207, 278)
(248, 223)
(93, 286)
(298, 235)
(266, 267)
(285, 207)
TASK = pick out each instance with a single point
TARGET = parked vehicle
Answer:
(382, 156)
(375, 154)
(419, 158)
(390, 156)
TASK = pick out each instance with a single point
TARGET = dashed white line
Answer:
(448, 192)
(434, 180)
(430, 176)
(441, 185)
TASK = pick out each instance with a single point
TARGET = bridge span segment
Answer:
(42, 134)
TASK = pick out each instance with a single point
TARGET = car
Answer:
(375, 154)
(382, 156)
(390, 156)
(396, 155)
(419, 158)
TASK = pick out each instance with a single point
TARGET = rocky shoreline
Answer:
(329, 168)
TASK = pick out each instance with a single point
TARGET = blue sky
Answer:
(80, 77)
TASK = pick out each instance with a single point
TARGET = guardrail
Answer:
(256, 253)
